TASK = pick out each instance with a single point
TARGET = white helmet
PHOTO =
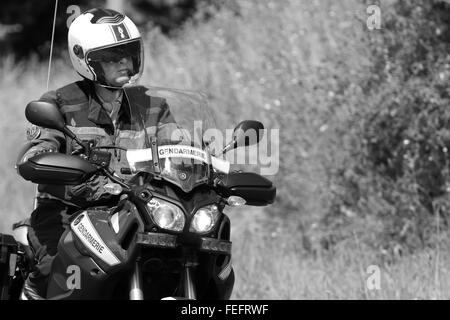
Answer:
(104, 35)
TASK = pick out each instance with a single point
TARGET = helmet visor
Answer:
(114, 54)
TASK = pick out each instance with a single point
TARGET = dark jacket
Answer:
(85, 116)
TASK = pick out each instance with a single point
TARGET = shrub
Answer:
(400, 172)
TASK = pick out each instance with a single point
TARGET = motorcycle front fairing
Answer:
(105, 242)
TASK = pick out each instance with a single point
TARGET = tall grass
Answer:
(20, 83)
(275, 265)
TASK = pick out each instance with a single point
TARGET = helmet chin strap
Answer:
(112, 87)
(108, 87)
(107, 93)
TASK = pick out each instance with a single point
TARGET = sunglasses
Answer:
(110, 56)
(114, 57)
(115, 54)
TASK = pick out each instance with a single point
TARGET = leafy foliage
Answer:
(33, 23)
(30, 22)
(401, 168)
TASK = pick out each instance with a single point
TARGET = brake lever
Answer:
(85, 150)
(115, 179)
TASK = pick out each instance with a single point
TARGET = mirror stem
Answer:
(228, 147)
(71, 135)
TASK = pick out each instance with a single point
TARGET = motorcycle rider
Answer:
(106, 49)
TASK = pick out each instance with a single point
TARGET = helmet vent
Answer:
(106, 16)
(116, 19)
(78, 51)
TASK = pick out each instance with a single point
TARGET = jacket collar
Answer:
(99, 116)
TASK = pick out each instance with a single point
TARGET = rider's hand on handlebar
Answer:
(90, 190)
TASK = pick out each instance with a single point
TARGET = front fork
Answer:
(187, 280)
(136, 292)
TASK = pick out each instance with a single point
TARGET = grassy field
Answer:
(275, 265)
(283, 63)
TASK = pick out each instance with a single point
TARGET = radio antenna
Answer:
(51, 44)
(48, 79)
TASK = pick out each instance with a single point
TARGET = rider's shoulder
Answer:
(74, 92)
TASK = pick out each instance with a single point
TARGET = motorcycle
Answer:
(165, 236)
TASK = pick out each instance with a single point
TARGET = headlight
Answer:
(204, 219)
(166, 215)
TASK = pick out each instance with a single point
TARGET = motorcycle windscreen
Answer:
(185, 172)
(184, 166)
(180, 130)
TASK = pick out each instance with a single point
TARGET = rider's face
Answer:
(117, 73)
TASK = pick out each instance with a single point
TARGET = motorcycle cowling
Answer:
(56, 169)
(254, 188)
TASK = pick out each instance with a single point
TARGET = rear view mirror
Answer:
(47, 115)
(246, 133)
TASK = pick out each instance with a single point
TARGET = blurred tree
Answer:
(402, 158)
(167, 14)
(32, 21)
(118, 5)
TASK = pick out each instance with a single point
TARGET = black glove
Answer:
(91, 190)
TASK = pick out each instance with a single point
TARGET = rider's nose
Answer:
(124, 60)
